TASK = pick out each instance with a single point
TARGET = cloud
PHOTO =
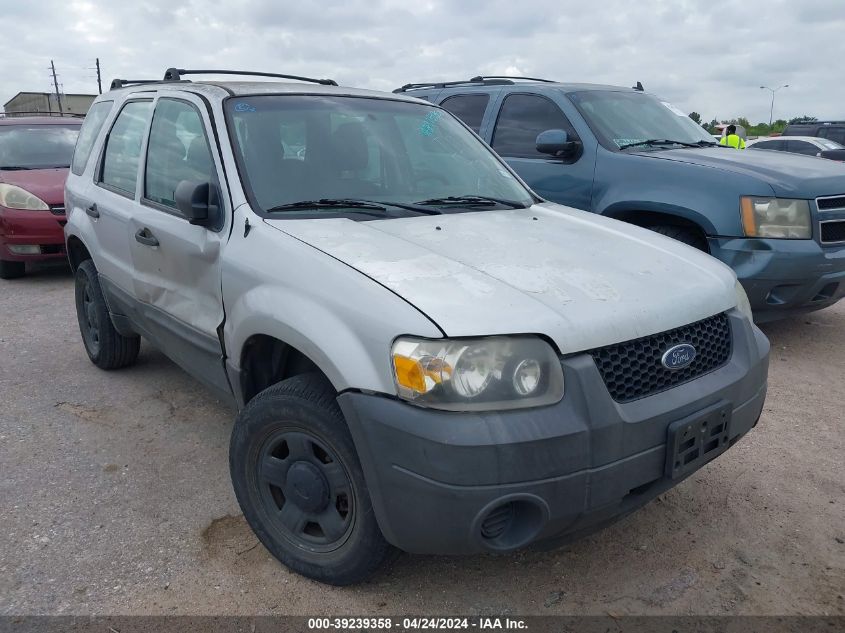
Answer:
(709, 57)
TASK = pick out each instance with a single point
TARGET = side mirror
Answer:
(199, 202)
(556, 143)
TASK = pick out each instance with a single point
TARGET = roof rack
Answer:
(121, 83)
(484, 77)
(175, 74)
(481, 80)
(15, 113)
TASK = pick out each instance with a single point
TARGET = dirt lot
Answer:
(115, 498)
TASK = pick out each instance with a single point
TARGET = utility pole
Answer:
(99, 82)
(773, 91)
(56, 86)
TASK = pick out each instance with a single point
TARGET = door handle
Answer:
(92, 211)
(145, 237)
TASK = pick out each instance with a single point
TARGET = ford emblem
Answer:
(679, 356)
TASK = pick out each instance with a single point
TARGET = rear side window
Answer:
(123, 147)
(178, 150)
(468, 108)
(802, 147)
(778, 145)
(88, 134)
(521, 119)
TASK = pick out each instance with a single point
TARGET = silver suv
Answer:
(424, 354)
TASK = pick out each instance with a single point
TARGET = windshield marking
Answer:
(428, 125)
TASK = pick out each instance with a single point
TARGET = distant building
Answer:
(46, 102)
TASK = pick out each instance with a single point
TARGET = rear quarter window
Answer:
(91, 127)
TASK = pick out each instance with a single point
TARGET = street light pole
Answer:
(773, 91)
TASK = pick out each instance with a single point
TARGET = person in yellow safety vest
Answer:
(732, 139)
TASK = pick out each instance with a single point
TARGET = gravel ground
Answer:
(115, 499)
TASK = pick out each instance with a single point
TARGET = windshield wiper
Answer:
(15, 168)
(350, 203)
(472, 201)
(327, 203)
(660, 141)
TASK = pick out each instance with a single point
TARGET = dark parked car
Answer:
(834, 130)
(35, 154)
(777, 219)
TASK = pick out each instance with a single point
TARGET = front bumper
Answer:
(438, 479)
(42, 229)
(784, 277)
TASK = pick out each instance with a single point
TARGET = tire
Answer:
(682, 234)
(106, 348)
(11, 270)
(299, 482)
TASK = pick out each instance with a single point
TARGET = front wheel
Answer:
(299, 483)
(106, 347)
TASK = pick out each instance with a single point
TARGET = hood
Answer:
(47, 184)
(583, 280)
(790, 175)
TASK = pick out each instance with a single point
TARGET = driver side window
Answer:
(178, 150)
(521, 119)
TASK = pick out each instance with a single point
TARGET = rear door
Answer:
(177, 264)
(520, 118)
(117, 177)
(473, 108)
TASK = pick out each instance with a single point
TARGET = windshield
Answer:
(295, 148)
(625, 118)
(36, 146)
(828, 144)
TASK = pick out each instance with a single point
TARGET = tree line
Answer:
(759, 129)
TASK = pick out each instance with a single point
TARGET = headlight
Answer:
(742, 303)
(13, 197)
(477, 374)
(776, 218)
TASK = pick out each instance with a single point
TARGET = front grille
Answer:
(634, 370)
(57, 209)
(833, 231)
(828, 204)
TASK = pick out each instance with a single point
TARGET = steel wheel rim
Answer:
(88, 319)
(305, 491)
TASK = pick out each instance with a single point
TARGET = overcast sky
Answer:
(711, 57)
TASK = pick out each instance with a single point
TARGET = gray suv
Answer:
(424, 354)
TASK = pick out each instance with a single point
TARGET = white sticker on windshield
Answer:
(673, 108)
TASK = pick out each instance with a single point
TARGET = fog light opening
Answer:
(508, 524)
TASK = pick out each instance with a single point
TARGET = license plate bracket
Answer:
(693, 441)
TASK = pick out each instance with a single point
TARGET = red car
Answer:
(35, 154)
